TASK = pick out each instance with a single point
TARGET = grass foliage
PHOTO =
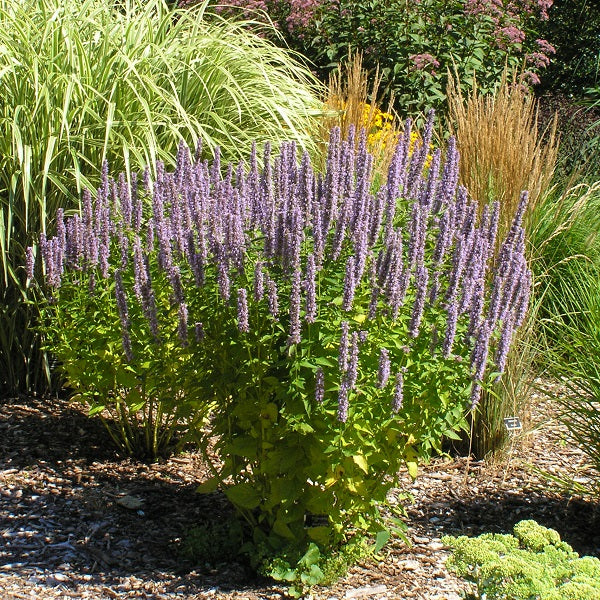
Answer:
(502, 151)
(575, 358)
(87, 81)
(352, 103)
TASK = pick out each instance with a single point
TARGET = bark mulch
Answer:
(78, 521)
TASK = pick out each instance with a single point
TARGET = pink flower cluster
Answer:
(423, 61)
(292, 15)
(302, 13)
(509, 18)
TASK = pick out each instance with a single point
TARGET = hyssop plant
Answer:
(338, 330)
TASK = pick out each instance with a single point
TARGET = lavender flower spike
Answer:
(242, 311)
(29, 262)
(383, 374)
(123, 314)
(272, 298)
(199, 331)
(310, 288)
(259, 281)
(349, 284)
(398, 393)
(352, 371)
(422, 279)
(343, 356)
(342, 412)
(319, 385)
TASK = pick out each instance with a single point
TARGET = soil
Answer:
(78, 521)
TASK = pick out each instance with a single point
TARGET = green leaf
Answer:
(311, 556)
(281, 528)
(313, 577)
(282, 572)
(243, 446)
(411, 459)
(94, 410)
(208, 487)
(381, 539)
(361, 462)
(321, 534)
(243, 495)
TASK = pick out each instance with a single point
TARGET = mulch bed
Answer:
(78, 521)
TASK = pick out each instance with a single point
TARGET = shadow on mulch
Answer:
(576, 520)
(61, 505)
(63, 484)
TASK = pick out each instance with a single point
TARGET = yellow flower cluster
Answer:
(382, 132)
(380, 127)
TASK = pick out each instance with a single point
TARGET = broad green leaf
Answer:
(208, 487)
(381, 540)
(243, 495)
(361, 462)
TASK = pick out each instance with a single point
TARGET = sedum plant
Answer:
(335, 331)
(85, 81)
(532, 563)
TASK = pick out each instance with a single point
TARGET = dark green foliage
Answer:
(573, 30)
(413, 44)
(212, 542)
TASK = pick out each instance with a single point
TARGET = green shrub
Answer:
(414, 44)
(573, 30)
(335, 331)
(86, 81)
(533, 563)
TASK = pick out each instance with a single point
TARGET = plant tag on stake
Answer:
(311, 520)
(513, 424)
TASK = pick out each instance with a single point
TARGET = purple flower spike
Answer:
(422, 279)
(342, 411)
(504, 345)
(475, 395)
(480, 352)
(272, 298)
(123, 315)
(29, 262)
(295, 303)
(224, 282)
(523, 299)
(343, 355)
(352, 370)
(259, 281)
(310, 289)
(199, 332)
(451, 323)
(319, 385)
(383, 374)
(398, 392)
(242, 311)
(349, 284)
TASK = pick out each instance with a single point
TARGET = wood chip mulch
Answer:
(78, 521)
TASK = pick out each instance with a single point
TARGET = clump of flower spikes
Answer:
(206, 218)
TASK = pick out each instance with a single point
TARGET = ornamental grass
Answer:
(86, 81)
